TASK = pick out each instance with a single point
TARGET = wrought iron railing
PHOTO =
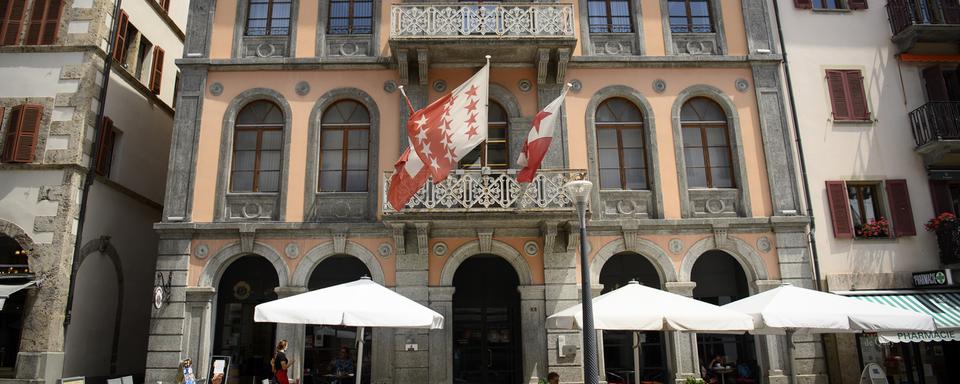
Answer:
(936, 120)
(948, 240)
(904, 13)
(489, 191)
(481, 19)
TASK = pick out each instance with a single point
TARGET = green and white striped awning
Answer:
(944, 306)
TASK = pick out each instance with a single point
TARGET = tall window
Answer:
(494, 152)
(350, 17)
(620, 145)
(706, 145)
(690, 16)
(344, 147)
(609, 16)
(865, 208)
(268, 17)
(257, 148)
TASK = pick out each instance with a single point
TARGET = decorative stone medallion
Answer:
(524, 85)
(201, 251)
(675, 245)
(659, 86)
(302, 88)
(576, 85)
(763, 244)
(292, 250)
(715, 206)
(627, 207)
(531, 248)
(440, 85)
(266, 50)
(612, 47)
(216, 89)
(440, 248)
(349, 49)
(390, 86)
(385, 249)
(251, 210)
(741, 85)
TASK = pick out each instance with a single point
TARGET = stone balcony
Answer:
(933, 23)
(936, 132)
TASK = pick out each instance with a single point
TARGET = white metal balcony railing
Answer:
(489, 191)
(455, 20)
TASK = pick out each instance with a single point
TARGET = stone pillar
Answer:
(557, 155)
(295, 334)
(181, 327)
(534, 332)
(561, 291)
(441, 340)
(772, 346)
(683, 358)
(411, 279)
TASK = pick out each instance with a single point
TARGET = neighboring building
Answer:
(52, 54)
(877, 115)
(289, 122)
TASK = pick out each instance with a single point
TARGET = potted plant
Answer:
(694, 380)
(873, 229)
(947, 228)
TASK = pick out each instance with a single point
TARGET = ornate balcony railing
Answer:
(948, 240)
(904, 13)
(935, 121)
(489, 191)
(465, 19)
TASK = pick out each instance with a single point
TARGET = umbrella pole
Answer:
(360, 356)
(790, 356)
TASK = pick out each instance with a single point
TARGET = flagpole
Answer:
(409, 105)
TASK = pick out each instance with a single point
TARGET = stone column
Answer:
(557, 155)
(684, 358)
(772, 346)
(534, 332)
(411, 277)
(441, 340)
(561, 291)
(295, 334)
(181, 327)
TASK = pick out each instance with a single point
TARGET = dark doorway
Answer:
(623, 362)
(486, 322)
(322, 343)
(13, 271)
(248, 281)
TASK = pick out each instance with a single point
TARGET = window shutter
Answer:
(839, 210)
(803, 4)
(22, 132)
(857, 96)
(104, 148)
(10, 136)
(838, 95)
(951, 12)
(940, 194)
(935, 84)
(119, 41)
(44, 22)
(11, 20)
(858, 4)
(156, 71)
(900, 211)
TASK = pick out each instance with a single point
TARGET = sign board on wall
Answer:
(933, 279)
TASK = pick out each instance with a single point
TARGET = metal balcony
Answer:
(481, 20)
(489, 191)
(936, 131)
(923, 21)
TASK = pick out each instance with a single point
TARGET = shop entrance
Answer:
(248, 281)
(15, 271)
(486, 322)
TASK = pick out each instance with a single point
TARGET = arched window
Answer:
(268, 17)
(706, 145)
(494, 152)
(621, 148)
(344, 147)
(257, 148)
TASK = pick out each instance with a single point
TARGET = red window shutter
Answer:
(856, 95)
(839, 210)
(803, 4)
(838, 95)
(104, 148)
(940, 194)
(858, 4)
(22, 132)
(44, 22)
(11, 20)
(156, 71)
(10, 137)
(119, 42)
(900, 211)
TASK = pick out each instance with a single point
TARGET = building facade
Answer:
(86, 314)
(289, 121)
(876, 110)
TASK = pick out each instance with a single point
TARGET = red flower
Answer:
(936, 223)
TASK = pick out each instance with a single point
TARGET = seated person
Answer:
(342, 366)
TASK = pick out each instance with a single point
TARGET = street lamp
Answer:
(579, 191)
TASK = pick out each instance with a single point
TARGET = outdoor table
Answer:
(723, 371)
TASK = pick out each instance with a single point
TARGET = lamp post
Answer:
(579, 191)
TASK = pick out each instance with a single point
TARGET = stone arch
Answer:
(313, 258)
(226, 148)
(646, 248)
(736, 144)
(749, 260)
(505, 98)
(649, 134)
(311, 195)
(218, 264)
(16, 233)
(498, 248)
(103, 246)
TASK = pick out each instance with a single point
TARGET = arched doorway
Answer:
(486, 322)
(720, 280)
(248, 281)
(93, 337)
(322, 344)
(623, 362)
(15, 271)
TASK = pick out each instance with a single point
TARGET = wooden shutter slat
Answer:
(951, 11)
(856, 95)
(858, 4)
(100, 166)
(51, 22)
(803, 4)
(120, 39)
(940, 194)
(934, 83)
(156, 71)
(10, 137)
(11, 20)
(25, 127)
(36, 22)
(900, 210)
(839, 209)
(838, 95)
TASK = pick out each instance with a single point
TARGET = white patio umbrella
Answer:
(788, 310)
(361, 303)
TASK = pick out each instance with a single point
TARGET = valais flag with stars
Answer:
(440, 135)
(538, 140)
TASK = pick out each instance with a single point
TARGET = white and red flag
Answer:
(539, 138)
(450, 127)
(409, 176)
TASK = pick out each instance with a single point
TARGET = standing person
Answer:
(279, 363)
(185, 372)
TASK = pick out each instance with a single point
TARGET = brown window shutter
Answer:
(10, 137)
(44, 22)
(900, 211)
(858, 4)
(119, 42)
(156, 71)
(935, 84)
(22, 132)
(105, 147)
(856, 95)
(940, 194)
(951, 12)
(838, 95)
(839, 210)
(11, 20)
(803, 4)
